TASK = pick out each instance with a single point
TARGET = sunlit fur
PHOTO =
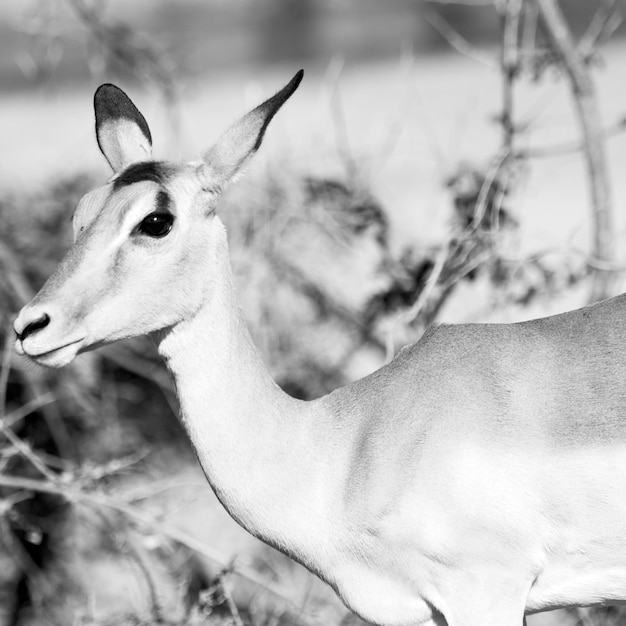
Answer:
(479, 475)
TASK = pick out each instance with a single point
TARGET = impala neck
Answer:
(254, 442)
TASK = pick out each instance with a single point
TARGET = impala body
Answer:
(478, 476)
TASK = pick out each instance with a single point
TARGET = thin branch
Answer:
(228, 596)
(529, 31)
(137, 555)
(144, 492)
(481, 203)
(410, 315)
(466, 269)
(397, 124)
(87, 474)
(569, 148)
(456, 40)
(338, 116)
(590, 261)
(22, 559)
(605, 22)
(583, 92)
(37, 387)
(510, 69)
(17, 415)
(27, 452)
(433, 277)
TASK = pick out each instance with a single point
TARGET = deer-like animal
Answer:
(479, 476)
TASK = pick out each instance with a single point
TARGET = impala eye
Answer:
(156, 224)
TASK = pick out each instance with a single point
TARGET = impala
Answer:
(479, 476)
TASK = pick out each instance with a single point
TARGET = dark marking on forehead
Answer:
(163, 202)
(154, 171)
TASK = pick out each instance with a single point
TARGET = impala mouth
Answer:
(56, 357)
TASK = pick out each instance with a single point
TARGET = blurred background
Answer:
(441, 162)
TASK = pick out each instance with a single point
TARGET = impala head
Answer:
(144, 242)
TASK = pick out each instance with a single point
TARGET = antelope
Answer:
(477, 477)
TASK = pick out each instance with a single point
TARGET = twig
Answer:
(583, 92)
(481, 202)
(12, 269)
(94, 474)
(590, 261)
(604, 23)
(23, 560)
(397, 124)
(498, 202)
(338, 116)
(468, 267)
(408, 316)
(136, 554)
(10, 419)
(228, 596)
(569, 148)
(136, 494)
(27, 452)
(433, 277)
(53, 417)
(529, 31)
(510, 69)
(455, 39)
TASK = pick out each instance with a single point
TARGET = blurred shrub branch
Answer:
(572, 59)
(521, 21)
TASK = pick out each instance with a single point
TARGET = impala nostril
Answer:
(34, 326)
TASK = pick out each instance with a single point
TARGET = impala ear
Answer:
(239, 143)
(122, 131)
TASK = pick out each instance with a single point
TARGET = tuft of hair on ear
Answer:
(224, 160)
